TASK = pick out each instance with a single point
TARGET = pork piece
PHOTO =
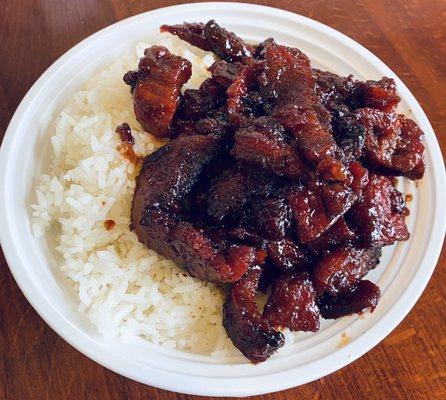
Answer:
(365, 295)
(192, 33)
(227, 45)
(212, 37)
(249, 332)
(359, 175)
(313, 138)
(334, 89)
(169, 173)
(339, 234)
(338, 197)
(292, 304)
(287, 255)
(393, 143)
(331, 170)
(234, 188)
(197, 103)
(309, 213)
(224, 73)
(192, 249)
(287, 78)
(348, 132)
(287, 87)
(156, 88)
(242, 102)
(378, 216)
(182, 127)
(263, 142)
(228, 193)
(270, 217)
(379, 94)
(409, 155)
(318, 205)
(342, 269)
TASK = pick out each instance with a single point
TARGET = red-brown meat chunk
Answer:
(379, 215)
(156, 88)
(333, 89)
(224, 73)
(166, 177)
(338, 197)
(379, 94)
(169, 173)
(348, 132)
(340, 233)
(393, 143)
(192, 249)
(317, 206)
(310, 216)
(292, 304)
(249, 332)
(192, 33)
(287, 86)
(365, 295)
(286, 78)
(227, 45)
(212, 37)
(287, 255)
(341, 270)
(264, 142)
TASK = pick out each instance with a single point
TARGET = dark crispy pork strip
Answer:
(224, 73)
(169, 173)
(192, 33)
(339, 234)
(263, 142)
(249, 332)
(193, 249)
(212, 37)
(365, 295)
(342, 269)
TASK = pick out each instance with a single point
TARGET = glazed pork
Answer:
(277, 179)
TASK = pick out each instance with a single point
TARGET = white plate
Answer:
(402, 275)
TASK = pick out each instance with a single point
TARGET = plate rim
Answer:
(81, 342)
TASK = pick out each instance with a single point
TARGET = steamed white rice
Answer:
(124, 288)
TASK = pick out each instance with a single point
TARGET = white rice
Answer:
(124, 288)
